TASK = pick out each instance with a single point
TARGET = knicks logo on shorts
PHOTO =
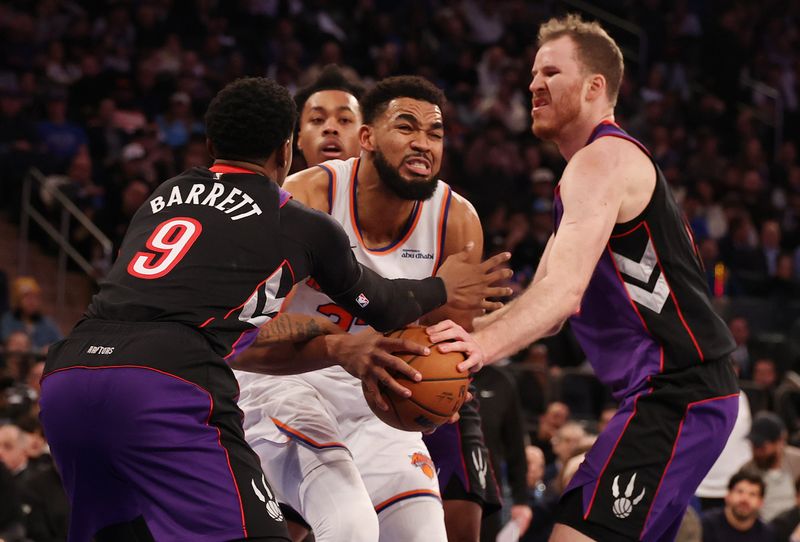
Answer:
(423, 462)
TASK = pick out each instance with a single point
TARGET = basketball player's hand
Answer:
(469, 285)
(522, 514)
(368, 355)
(458, 340)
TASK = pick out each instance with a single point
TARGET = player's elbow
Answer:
(573, 294)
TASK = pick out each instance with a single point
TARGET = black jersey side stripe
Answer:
(672, 295)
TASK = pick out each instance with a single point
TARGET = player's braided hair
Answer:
(249, 119)
(330, 78)
(378, 97)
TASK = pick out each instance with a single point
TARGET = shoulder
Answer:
(310, 187)
(608, 154)
(462, 218)
(309, 226)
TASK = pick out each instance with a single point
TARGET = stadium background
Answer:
(104, 100)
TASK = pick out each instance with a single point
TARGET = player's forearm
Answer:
(540, 309)
(388, 304)
(284, 358)
(290, 344)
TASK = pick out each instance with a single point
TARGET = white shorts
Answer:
(294, 425)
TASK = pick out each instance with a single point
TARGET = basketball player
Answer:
(402, 221)
(622, 266)
(330, 118)
(139, 401)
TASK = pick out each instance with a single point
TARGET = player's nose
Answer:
(330, 127)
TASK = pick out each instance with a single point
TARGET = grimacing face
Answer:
(329, 124)
(557, 87)
(407, 142)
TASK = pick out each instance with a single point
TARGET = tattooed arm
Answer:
(290, 344)
(298, 343)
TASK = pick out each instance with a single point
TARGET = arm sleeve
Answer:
(383, 303)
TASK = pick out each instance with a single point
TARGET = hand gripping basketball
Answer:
(369, 356)
(435, 398)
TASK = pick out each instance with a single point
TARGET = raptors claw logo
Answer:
(273, 509)
(623, 506)
(481, 466)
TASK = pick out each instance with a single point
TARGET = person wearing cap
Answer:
(26, 315)
(776, 462)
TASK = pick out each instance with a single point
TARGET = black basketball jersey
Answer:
(647, 309)
(216, 251)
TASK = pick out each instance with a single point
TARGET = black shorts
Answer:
(462, 461)
(134, 443)
(639, 476)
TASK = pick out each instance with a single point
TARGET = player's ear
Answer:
(597, 87)
(283, 155)
(366, 137)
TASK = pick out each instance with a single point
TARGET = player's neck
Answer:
(382, 214)
(573, 137)
(259, 169)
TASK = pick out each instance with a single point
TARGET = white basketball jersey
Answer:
(416, 254)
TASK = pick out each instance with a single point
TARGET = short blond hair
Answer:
(597, 51)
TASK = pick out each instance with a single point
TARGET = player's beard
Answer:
(419, 190)
(564, 110)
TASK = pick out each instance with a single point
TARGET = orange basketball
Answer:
(436, 397)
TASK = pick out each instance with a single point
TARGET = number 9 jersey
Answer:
(217, 250)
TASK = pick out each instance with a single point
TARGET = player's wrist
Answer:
(336, 346)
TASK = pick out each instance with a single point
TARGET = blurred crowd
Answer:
(106, 99)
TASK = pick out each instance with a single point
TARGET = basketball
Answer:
(435, 398)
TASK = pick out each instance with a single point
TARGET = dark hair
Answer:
(249, 119)
(747, 475)
(330, 78)
(378, 97)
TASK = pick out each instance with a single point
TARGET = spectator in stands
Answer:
(26, 315)
(501, 418)
(739, 519)
(740, 330)
(60, 138)
(556, 415)
(13, 446)
(566, 442)
(542, 500)
(771, 245)
(17, 355)
(776, 462)
(178, 124)
(784, 285)
(786, 525)
(765, 377)
(605, 416)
